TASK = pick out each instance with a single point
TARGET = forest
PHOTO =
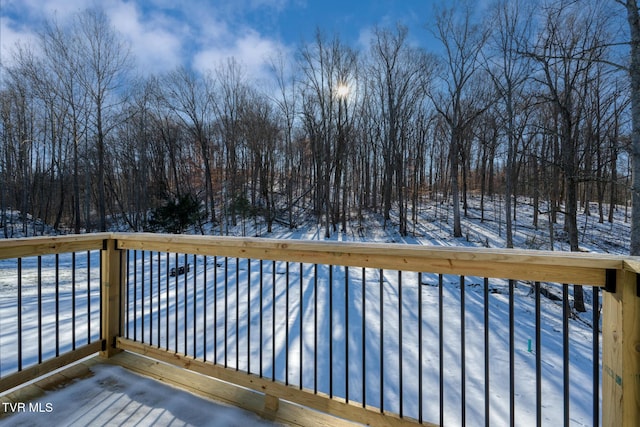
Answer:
(530, 99)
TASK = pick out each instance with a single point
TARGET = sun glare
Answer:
(342, 91)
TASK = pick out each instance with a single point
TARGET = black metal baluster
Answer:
(159, 298)
(57, 296)
(315, 328)
(19, 308)
(261, 316)
(463, 378)
(127, 297)
(363, 339)
(100, 299)
(151, 297)
(420, 348)
(134, 301)
(88, 297)
(237, 336)
(512, 397)
(195, 304)
(142, 294)
(538, 358)
(346, 335)
(286, 327)
(301, 300)
(39, 309)
(487, 399)
(331, 331)
(166, 300)
(441, 345)
(381, 355)
(595, 327)
(566, 312)
(135, 295)
(226, 307)
(175, 319)
(204, 308)
(248, 316)
(400, 355)
(186, 303)
(215, 309)
(73, 300)
(273, 321)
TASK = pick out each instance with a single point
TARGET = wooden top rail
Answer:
(34, 246)
(546, 266)
(559, 267)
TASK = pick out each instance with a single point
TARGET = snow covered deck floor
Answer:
(94, 393)
(101, 392)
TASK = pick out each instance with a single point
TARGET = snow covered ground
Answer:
(300, 312)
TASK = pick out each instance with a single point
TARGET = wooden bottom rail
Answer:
(268, 407)
(33, 372)
(275, 393)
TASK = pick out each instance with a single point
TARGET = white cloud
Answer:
(272, 4)
(11, 34)
(156, 47)
(250, 50)
(162, 34)
(61, 10)
(154, 41)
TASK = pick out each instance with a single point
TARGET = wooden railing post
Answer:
(621, 352)
(112, 284)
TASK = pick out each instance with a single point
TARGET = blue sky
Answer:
(197, 33)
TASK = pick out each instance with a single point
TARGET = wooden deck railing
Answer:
(366, 332)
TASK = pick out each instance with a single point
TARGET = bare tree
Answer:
(18, 127)
(399, 76)
(570, 44)
(64, 64)
(139, 181)
(106, 62)
(510, 70)
(463, 41)
(329, 69)
(262, 133)
(231, 94)
(287, 103)
(633, 18)
(190, 97)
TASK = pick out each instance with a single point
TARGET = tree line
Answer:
(531, 99)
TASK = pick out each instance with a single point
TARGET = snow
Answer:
(300, 312)
(115, 396)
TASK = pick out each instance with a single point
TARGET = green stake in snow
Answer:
(529, 345)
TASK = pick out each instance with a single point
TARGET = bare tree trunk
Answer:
(633, 16)
(614, 177)
(536, 191)
(455, 186)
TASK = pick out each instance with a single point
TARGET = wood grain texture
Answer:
(621, 353)
(307, 398)
(558, 267)
(34, 246)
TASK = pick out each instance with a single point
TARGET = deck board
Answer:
(105, 390)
